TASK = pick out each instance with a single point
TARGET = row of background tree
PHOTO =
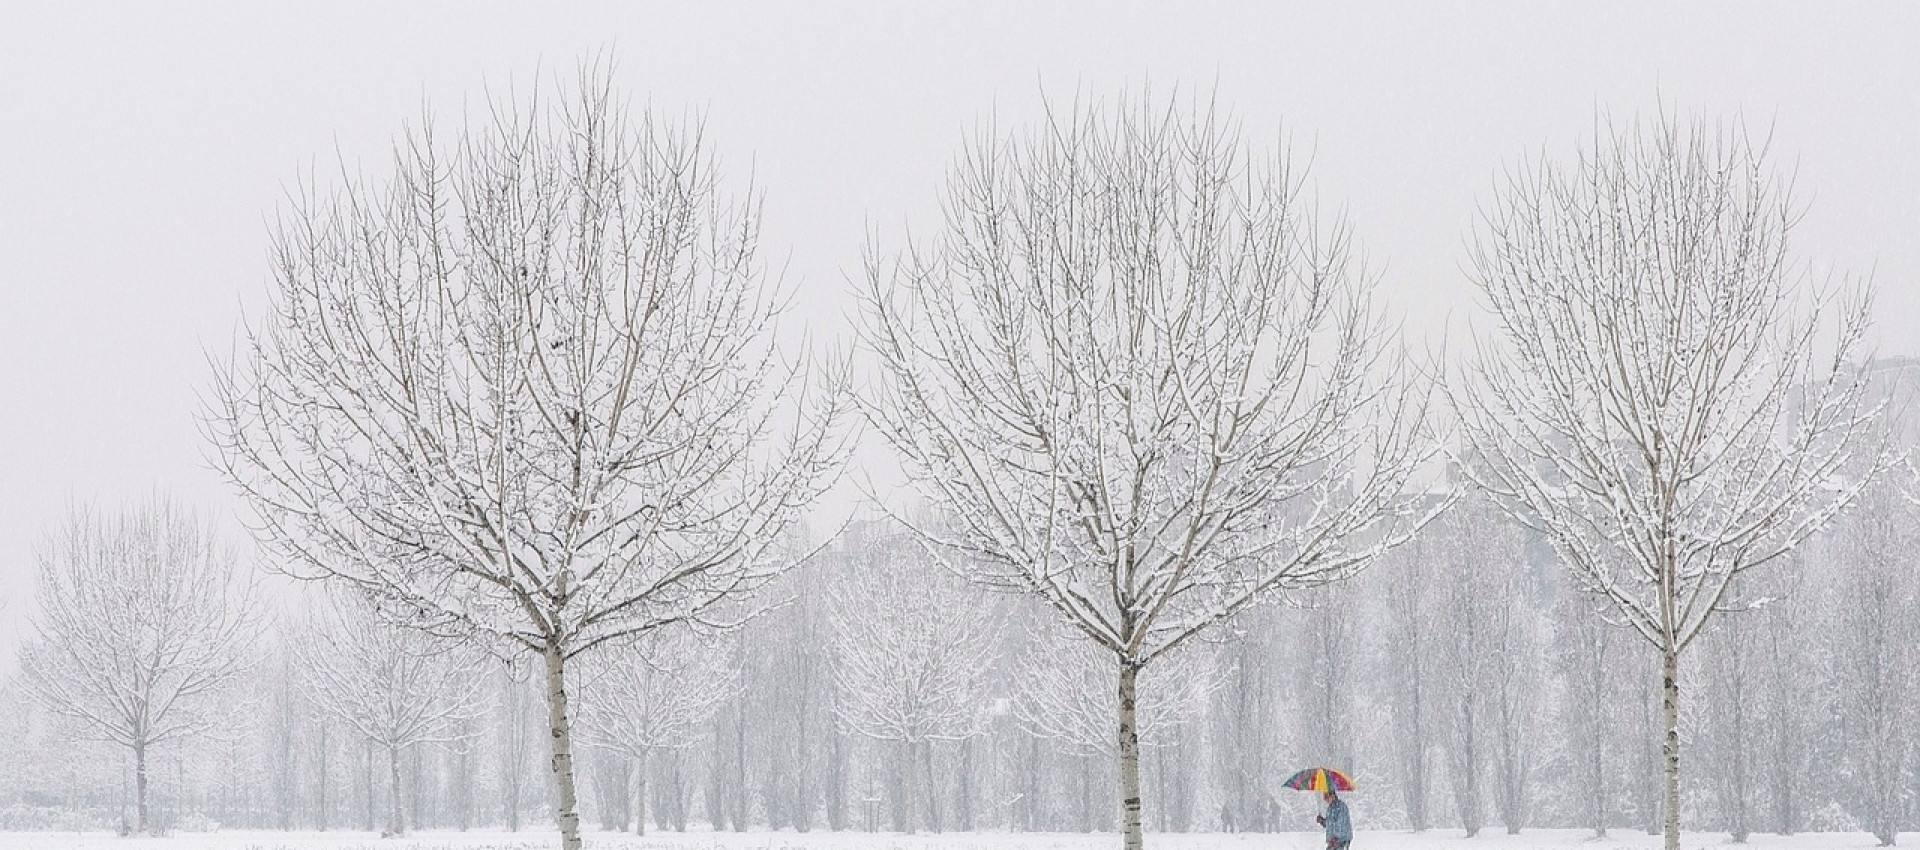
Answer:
(1458, 679)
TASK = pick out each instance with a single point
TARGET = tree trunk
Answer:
(1030, 796)
(320, 804)
(1597, 777)
(1738, 775)
(396, 823)
(513, 746)
(680, 793)
(716, 776)
(140, 788)
(1513, 770)
(561, 727)
(1785, 766)
(285, 779)
(463, 778)
(1512, 805)
(913, 785)
(1086, 793)
(963, 805)
(1670, 710)
(1179, 798)
(372, 792)
(1129, 761)
(640, 793)
(416, 806)
(740, 813)
(836, 791)
(1468, 788)
(615, 778)
(1416, 787)
(1237, 811)
(933, 788)
(1591, 660)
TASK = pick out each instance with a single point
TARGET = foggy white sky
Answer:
(142, 150)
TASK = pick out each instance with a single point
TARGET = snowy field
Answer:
(532, 840)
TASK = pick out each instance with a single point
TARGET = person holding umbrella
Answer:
(1339, 825)
(1328, 782)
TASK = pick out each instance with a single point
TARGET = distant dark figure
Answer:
(1226, 818)
(1339, 826)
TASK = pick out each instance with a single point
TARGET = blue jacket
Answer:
(1339, 826)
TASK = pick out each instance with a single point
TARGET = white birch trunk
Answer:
(1670, 749)
(567, 811)
(1129, 760)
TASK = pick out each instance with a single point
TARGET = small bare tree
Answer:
(144, 621)
(1142, 384)
(912, 649)
(1658, 404)
(1411, 664)
(1517, 643)
(1875, 655)
(1588, 651)
(1727, 719)
(1469, 592)
(527, 388)
(643, 699)
(1483, 629)
(398, 686)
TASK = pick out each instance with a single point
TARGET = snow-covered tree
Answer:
(515, 741)
(1729, 716)
(1875, 655)
(526, 387)
(1326, 672)
(144, 623)
(1410, 645)
(398, 686)
(1662, 401)
(649, 697)
(912, 651)
(1141, 382)
(1516, 691)
(1486, 640)
(1248, 711)
(1587, 651)
(1469, 593)
(1788, 708)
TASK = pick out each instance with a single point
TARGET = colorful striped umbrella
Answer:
(1318, 779)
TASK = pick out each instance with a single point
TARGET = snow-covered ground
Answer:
(1573, 839)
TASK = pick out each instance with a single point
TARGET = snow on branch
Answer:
(1148, 386)
(528, 383)
(1671, 402)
